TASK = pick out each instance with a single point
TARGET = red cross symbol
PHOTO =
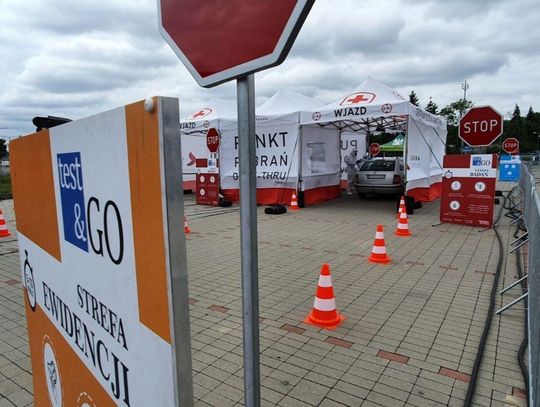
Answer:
(359, 97)
(201, 113)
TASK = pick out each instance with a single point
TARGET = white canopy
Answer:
(211, 115)
(277, 132)
(369, 105)
(374, 106)
(285, 102)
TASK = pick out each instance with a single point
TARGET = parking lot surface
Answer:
(411, 331)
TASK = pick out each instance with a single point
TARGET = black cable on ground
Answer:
(493, 297)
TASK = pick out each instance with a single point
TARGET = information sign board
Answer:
(468, 189)
(98, 263)
(509, 168)
(208, 189)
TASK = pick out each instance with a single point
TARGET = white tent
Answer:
(373, 106)
(278, 159)
(217, 113)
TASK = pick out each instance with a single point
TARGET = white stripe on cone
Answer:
(402, 226)
(379, 235)
(324, 305)
(325, 281)
(379, 249)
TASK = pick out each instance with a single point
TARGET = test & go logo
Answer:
(72, 197)
(89, 224)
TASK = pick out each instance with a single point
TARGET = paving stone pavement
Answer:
(411, 330)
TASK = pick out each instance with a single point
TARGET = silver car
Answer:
(381, 176)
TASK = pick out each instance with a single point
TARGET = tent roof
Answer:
(287, 101)
(369, 106)
(215, 109)
(381, 93)
(394, 145)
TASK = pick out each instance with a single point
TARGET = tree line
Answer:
(524, 128)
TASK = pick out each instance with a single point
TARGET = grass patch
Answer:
(5, 187)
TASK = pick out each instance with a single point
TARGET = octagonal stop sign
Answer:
(511, 145)
(220, 40)
(212, 140)
(374, 149)
(481, 126)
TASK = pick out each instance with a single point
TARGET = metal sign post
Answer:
(248, 237)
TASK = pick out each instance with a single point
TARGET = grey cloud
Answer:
(77, 58)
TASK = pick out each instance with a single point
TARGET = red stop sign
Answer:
(511, 145)
(374, 148)
(221, 40)
(481, 126)
(212, 140)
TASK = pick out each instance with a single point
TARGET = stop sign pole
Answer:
(248, 237)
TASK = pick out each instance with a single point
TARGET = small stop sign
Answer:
(212, 140)
(511, 145)
(374, 148)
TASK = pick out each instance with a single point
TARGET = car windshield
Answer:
(378, 165)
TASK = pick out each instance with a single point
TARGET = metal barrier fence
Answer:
(527, 184)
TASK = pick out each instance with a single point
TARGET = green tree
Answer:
(432, 107)
(532, 130)
(413, 98)
(530, 114)
(452, 113)
(455, 110)
(3, 148)
(516, 128)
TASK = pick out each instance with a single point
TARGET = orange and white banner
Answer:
(91, 220)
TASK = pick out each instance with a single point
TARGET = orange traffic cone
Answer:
(378, 254)
(402, 207)
(403, 225)
(3, 227)
(324, 313)
(186, 227)
(294, 202)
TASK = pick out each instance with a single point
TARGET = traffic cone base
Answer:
(324, 313)
(403, 226)
(186, 227)
(331, 324)
(378, 253)
(3, 227)
(402, 232)
(377, 260)
(294, 203)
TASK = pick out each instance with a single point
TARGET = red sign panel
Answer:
(220, 40)
(511, 145)
(481, 126)
(468, 189)
(212, 140)
(374, 149)
(207, 186)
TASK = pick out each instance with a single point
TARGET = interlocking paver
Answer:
(424, 312)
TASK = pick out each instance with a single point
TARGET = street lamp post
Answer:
(464, 86)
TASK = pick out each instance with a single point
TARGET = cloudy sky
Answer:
(74, 58)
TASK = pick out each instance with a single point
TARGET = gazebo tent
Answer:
(395, 145)
(278, 160)
(373, 106)
(217, 113)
